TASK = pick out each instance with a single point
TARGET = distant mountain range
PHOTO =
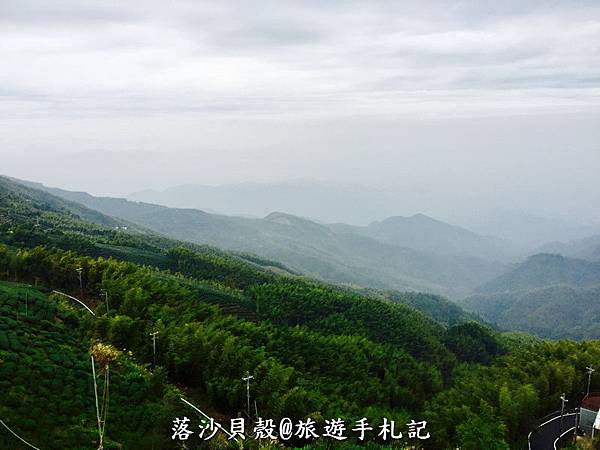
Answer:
(545, 270)
(31, 217)
(530, 230)
(555, 312)
(330, 202)
(587, 248)
(430, 235)
(317, 200)
(549, 295)
(440, 258)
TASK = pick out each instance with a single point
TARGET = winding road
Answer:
(547, 435)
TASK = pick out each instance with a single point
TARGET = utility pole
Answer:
(577, 420)
(590, 371)
(105, 293)
(154, 347)
(564, 400)
(79, 271)
(247, 379)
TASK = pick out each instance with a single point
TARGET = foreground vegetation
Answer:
(314, 349)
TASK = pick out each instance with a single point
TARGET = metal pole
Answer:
(79, 271)
(154, 347)
(247, 379)
(96, 397)
(577, 420)
(564, 400)
(105, 293)
(590, 371)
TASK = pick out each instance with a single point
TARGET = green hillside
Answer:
(56, 222)
(330, 253)
(555, 312)
(30, 217)
(47, 384)
(314, 349)
(545, 270)
(548, 295)
(317, 349)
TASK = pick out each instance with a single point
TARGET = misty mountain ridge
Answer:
(554, 312)
(531, 231)
(417, 253)
(547, 294)
(318, 200)
(587, 248)
(534, 295)
(358, 205)
(425, 233)
(20, 204)
(543, 270)
(322, 251)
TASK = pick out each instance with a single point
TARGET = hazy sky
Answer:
(466, 104)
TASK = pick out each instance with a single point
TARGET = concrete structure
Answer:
(590, 406)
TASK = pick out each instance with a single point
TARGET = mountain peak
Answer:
(280, 217)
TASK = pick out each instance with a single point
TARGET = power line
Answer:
(76, 299)
(17, 436)
(218, 425)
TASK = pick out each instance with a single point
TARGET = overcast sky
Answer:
(492, 103)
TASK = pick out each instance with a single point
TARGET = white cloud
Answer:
(116, 96)
(297, 58)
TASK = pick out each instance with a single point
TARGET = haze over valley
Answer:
(416, 253)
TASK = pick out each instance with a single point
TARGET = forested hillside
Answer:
(549, 295)
(314, 349)
(554, 312)
(331, 253)
(545, 270)
(47, 386)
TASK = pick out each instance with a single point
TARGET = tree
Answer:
(479, 433)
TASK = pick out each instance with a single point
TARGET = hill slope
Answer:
(588, 248)
(556, 312)
(307, 247)
(315, 350)
(47, 384)
(548, 295)
(53, 221)
(545, 270)
(426, 234)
